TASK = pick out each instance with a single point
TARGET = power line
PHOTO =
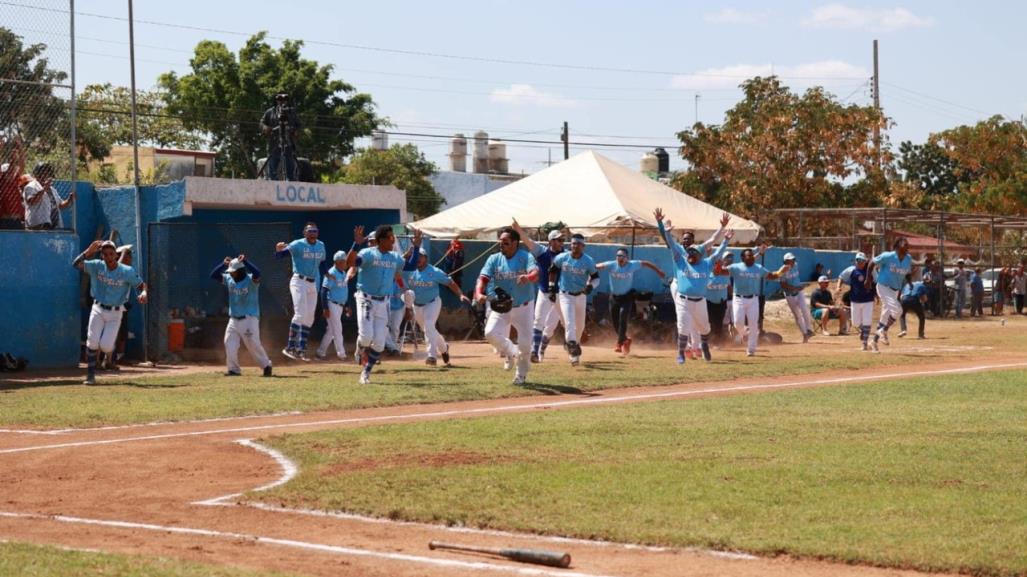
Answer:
(936, 99)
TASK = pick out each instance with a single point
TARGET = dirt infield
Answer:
(172, 490)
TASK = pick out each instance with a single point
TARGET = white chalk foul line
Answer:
(149, 424)
(305, 545)
(289, 470)
(523, 407)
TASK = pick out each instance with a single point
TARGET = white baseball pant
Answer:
(393, 323)
(800, 310)
(746, 313)
(862, 314)
(547, 315)
(572, 308)
(372, 322)
(427, 316)
(497, 333)
(247, 331)
(103, 328)
(304, 301)
(693, 319)
(891, 309)
(333, 331)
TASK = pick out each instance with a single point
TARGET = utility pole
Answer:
(135, 160)
(877, 107)
(697, 96)
(565, 136)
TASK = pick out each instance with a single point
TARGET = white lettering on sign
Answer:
(299, 194)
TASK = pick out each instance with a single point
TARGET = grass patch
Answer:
(44, 561)
(928, 473)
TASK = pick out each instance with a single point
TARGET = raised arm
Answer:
(532, 246)
(252, 268)
(651, 267)
(724, 219)
(90, 251)
(281, 250)
(676, 251)
(220, 270)
(779, 272)
(358, 239)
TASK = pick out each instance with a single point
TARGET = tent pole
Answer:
(994, 275)
(632, 241)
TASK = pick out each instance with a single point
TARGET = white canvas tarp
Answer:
(592, 195)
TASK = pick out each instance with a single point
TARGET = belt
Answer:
(107, 307)
(306, 278)
(794, 294)
(374, 298)
(520, 305)
(336, 303)
(417, 304)
(693, 299)
(745, 296)
(239, 318)
(573, 294)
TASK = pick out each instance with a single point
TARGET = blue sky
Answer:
(635, 68)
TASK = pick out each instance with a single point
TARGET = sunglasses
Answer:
(314, 230)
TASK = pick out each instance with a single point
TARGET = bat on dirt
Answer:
(536, 556)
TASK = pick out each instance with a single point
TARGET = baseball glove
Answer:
(501, 301)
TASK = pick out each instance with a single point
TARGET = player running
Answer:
(242, 279)
(574, 274)
(796, 299)
(424, 280)
(861, 297)
(547, 314)
(622, 293)
(334, 294)
(507, 282)
(892, 267)
(308, 256)
(747, 277)
(378, 269)
(109, 282)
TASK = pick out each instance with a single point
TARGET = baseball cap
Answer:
(622, 252)
(555, 235)
(577, 239)
(728, 256)
(235, 265)
(108, 244)
(5, 167)
(692, 249)
(372, 236)
(789, 256)
(861, 256)
(422, 252)
(960, 261)
(339, 255)
(823, 278)
(124, 248)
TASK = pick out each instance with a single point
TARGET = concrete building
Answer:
(172, 163)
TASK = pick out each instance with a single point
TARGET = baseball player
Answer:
(424, 280)
(334, 294)
(892, 267)
(717, 299)
(796, 299)
(747, 277)
(914, 296)
(507, 281)
(242, 279)
(574, 274)
(547, 314)
(378, 270)
(861, 297)
(308, 256)
(622, 293)
(109, 283)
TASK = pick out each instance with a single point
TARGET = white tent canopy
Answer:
(593, 195)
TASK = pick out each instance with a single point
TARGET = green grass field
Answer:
(326, 386)
(927, 473)
(26, 560)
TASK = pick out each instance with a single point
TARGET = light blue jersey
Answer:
(622, 278)
(792, 278)
(747, 279)
(574, 272)
(111, 287)
(338, 288)
(425, 283)
(243, 296)
(693, 279)
(502, 273)
(307, 258)
(891, 271)
(376, 271)
(716, 288)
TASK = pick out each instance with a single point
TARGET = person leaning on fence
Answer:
(110, 282)
(622, 293)
(242, 279)
(43, 204)
(12, 207)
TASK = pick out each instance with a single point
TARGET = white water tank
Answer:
(650, 163)
(498, 163)
(481, 152)
(458, 153)
(379, 140)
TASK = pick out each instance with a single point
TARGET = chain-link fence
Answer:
(37, 114)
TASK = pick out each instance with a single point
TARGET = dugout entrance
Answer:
(180, 259)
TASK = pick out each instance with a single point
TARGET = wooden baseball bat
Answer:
(536, 556)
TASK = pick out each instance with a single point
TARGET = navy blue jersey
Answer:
(860, 293)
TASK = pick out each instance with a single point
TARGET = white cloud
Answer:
(840, 16)
(528, 94)
(799, 75)
(735, 16)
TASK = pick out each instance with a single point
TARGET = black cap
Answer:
(281, 96)
(42, 169)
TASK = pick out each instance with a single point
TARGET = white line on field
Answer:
(324, 548)
(149, 424)
(289, 470)
(522, 407)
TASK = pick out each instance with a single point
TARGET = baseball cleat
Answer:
(681, 358)
(518, 380)
(534, 357)
(320, 356)
(430, 361)
(290, 353)
(445, 357)
(873, 345)
(706, 356)
(866, 347)
(365, 378)
(883, 335)
(302, 356)
(508, 363)
(627, 346)
(89, 381)
(902, 334)
(267, 371)
(825, 333)
(750, 353)
(232, 374)
(617, 348)
(575, 361)
(811, 334)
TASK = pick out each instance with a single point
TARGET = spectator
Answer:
(818, 271)
(998, 291)
(914, 295)
(454, 261)
(42, 203)
(1019, 283)
(977, 293)
(824, 309)
(962, 285)
(12, 211)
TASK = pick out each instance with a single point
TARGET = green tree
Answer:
(105, 110)
(777, 149)
(225, 95)
(930, 170)
(990, 165)
(403, 166)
